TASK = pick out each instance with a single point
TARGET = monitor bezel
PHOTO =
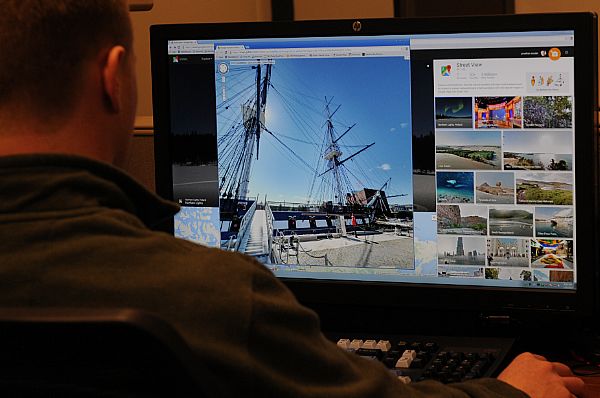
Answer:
(488, 300)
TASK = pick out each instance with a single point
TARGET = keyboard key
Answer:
(390, 362)
(402, 345)
(410, 353)
(416, 345)
(430, 347)
(356, 344)
(394, 353)
(462, 370)
(370, 344)
(384, 345)
(405, 379)
(404, 362)
(442, 376)
(424, 355)
(476, 371)
(366, 352)
(472, 356)
(344, 344)
(437, 363)
(417, 363)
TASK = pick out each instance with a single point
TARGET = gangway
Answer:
(255, 239)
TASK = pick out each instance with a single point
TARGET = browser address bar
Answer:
(499, 41)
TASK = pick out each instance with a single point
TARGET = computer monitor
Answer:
(445, 163)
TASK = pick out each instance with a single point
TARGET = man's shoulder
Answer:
(164, 248)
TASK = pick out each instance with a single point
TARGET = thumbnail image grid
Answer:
(508, 179)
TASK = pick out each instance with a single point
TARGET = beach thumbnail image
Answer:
(554, 222)
(454, 187)
(541, 275)
(462, 220)
(450, 271)
(495, 188)
(561, 276)
(453, 112)
(508, 252)
(544, 188)
(538, 150)
(508, 274)
(498, 112)
(468, 150)
(553, 112)
(461, 250)
(511, 221)
(552, 253)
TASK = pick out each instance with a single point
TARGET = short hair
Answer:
(44, 44)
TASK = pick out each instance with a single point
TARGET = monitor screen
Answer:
(425, 157)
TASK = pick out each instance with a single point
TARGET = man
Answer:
(76, 231)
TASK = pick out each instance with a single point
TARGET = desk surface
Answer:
(592, 386)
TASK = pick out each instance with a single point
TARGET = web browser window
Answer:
(436, 158)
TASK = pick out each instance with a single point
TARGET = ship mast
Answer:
(333, 154)
(253, 112)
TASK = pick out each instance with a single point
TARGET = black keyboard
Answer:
(446, 359)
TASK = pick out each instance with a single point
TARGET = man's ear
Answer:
(112, 73)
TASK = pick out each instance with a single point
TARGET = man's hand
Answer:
(537, 377)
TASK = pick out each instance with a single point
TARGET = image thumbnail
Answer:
(548, 112)
(511, 221)
(498, 112)
(507, 252)
(551, 253)
(453, 112)
(508, 274)
(545, 188)
(449, 271)
(495, 188)
(467, 150)
(455, 187)
(561, 276)
(555, 222)
(461, 250)
(462, 220)
(538, 150)
(541, 275)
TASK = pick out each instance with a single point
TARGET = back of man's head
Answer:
(44, 45)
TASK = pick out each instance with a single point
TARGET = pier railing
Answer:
(270, 220)
(245, 226)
